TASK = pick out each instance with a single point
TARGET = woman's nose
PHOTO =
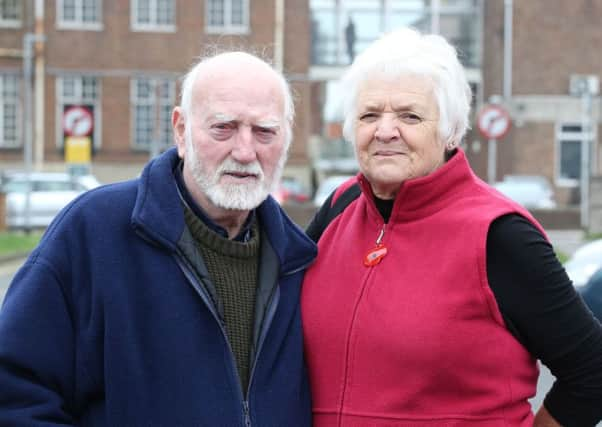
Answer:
(387, 129)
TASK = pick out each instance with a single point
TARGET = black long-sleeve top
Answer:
(544, 312)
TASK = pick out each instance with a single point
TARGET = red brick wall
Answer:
(116, 53)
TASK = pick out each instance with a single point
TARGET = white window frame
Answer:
(4, 102)
(78, 23)
(166, 103)
(12, 22)
(78, 98)
(154, 25)
(562, 136)
(227, 27)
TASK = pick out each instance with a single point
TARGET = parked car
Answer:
(48, 194)
(327, 186)
(291, 190)
(530, 191)
(592, 294)
(586, 260)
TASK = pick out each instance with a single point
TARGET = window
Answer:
(9, 111)
(153, 15)
(458, 20)
(10, 13)
(152, 101)
(79, 14)
(227, 16)
(83, 91)
(568, 153)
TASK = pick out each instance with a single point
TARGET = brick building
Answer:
(553, 49)
(117, 57)
(121, 60)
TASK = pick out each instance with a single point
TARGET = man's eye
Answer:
(265, 134)
(222, 131)
(266, 131)
(222, 126)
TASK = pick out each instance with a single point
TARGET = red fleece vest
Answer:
(418, 339)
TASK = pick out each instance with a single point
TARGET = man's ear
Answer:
(178, 124)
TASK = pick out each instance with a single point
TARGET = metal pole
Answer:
(39, 85)
(491, 160)
(435, 13)
(508, 11)
(154, 148)
(279, 35)
(586, 101)
(28, 40)
(339, 42)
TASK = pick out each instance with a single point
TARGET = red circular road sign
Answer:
(77, 121)
(493, 121)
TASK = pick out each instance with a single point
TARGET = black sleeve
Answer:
(544, 311)
(329, 211)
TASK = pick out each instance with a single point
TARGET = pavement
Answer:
(566, 241)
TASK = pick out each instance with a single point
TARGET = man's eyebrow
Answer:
(223, 117)
(269, 124)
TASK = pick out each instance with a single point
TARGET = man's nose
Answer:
(387, 129)
(244, 146)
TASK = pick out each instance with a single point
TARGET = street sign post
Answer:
(493, 121)
(78, 126)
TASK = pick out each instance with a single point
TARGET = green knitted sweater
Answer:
(233, 268)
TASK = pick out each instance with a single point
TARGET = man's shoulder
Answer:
(100, 206)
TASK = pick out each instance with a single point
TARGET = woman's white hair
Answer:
(408, 52)
(196, 72)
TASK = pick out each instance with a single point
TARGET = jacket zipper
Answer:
(245, 410)
(192, 279)
(268, 321)
(379, 239)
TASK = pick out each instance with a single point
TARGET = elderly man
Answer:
(172, 299)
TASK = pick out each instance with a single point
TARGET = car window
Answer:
(15, 186)
(53, 186)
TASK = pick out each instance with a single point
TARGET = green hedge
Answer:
(18, 242)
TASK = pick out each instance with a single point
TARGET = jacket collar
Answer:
(158, 216)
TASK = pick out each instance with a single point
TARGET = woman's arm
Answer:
(543, 310)
(544, 419)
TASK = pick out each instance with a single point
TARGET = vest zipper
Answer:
(379, 239)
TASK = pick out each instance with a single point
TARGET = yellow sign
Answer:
(78, 149)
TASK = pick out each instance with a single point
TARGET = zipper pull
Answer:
(376, 254)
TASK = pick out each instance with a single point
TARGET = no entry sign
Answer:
(493, 121)
(77, 121)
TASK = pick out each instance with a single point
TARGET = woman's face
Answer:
(396, 132)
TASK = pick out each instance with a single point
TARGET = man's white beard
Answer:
(235, 196)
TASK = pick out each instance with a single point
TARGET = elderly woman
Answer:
(433, 296)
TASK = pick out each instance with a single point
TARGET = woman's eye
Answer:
(410, 118)
(368, 117)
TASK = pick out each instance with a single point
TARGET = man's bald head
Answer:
(239, 68)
